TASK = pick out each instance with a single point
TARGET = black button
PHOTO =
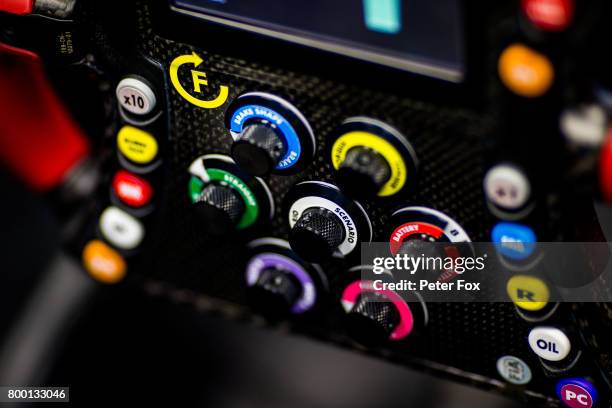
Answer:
(316, 234)
(372, 319)
(258, 149)
(275, 292)
(363, 173)
(218, 209)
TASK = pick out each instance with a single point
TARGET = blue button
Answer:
(577, 392)
(514, 241)
(291, 139)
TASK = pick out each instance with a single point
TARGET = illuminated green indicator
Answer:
(383, 16)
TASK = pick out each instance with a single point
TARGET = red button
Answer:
(16, 6)
(605, 168)
(549, 15)
(131, 189)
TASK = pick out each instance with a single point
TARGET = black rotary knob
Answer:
(363, 172)
(219, 209)
(316, 234)
(372, 319)
(424, 246)
(275, 292)
(258, 149)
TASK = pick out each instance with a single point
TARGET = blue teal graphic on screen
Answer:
(383, 16)
(422, 36)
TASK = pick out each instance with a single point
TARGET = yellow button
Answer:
(392, 156)
(103, 263)
(525, 72)
(528, 292)
(137, 145)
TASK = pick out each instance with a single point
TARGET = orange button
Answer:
(103, 263)
(524, 71)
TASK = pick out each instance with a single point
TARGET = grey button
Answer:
(507, 187)
(135, 96)
(514, 370)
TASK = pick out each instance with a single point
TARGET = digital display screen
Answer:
(421, 36)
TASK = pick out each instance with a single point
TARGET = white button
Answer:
(121, 229)
(584, 125)
(507, 187)
(135, 96)
(549, 343)
(514, 370)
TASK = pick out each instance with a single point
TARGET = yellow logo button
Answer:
(524, 71)
(137, 145)
(528, 292)
(198, 78)
(103, 263)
